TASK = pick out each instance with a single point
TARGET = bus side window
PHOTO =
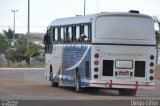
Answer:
(59, 34)
(82, 29)
(70, 34)
(77, 32)
(50, 41)
(86, 32)
(62, 34)
(56, 34)
(65, 31)
(67, 34)
(73, 33)
(47, 42)
(48, 38)
(53, 34)
(83, 33)
(89, 32)
(45, 39)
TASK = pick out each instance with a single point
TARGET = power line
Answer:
(22, 27)
(19, 26)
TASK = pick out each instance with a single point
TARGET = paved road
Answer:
(30, 84)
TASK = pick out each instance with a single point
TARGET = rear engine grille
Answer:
(139, 69)
(107, 68)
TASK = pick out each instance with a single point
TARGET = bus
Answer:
(108, 50)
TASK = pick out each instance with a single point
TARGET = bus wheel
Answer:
(132, 92)
(78, 83)
(53, 83)
(127, 92)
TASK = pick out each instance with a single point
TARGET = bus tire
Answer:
(54, 84)
(127, 92)
(78, 88)
(132, 92)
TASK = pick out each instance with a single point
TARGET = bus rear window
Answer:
(125, 27)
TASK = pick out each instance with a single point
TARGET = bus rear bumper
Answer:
(127, 85)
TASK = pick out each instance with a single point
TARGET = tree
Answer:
(22, 53)
(29, 53)
(10, 55)
(4, 45)
(9, 33)
(157, 32)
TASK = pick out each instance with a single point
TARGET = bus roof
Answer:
(87, 18)
(72, 20)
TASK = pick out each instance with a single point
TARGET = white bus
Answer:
(114, 50)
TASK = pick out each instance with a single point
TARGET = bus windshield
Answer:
(125, 27)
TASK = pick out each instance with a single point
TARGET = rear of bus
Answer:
(123, 52)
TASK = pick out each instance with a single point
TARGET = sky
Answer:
(43, 12)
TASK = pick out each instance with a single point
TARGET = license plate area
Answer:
(123, 74)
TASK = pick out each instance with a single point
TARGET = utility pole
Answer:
(14, 11)
(97, 6)
(28, 32)
(84, 7)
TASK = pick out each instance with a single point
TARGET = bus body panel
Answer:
(76, 57)
(66, 59)
(123, 56)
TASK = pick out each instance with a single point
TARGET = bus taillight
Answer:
(151, 78)
(95, 76)
(152, 57)
(151, 64)
(96, 62)
(96, 55)
(96, 69)
(151, 71)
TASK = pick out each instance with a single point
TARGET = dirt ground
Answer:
(30, 84)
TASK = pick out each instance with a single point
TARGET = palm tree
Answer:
(9, 33)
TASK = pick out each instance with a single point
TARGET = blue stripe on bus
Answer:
(75, 55)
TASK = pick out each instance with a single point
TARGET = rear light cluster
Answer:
(152, 57)
(151, 71)
(96, 62)
(96, 69)
(151, 64)
(96, 55)
(95, 76)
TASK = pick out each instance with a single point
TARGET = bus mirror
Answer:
(45, 39)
